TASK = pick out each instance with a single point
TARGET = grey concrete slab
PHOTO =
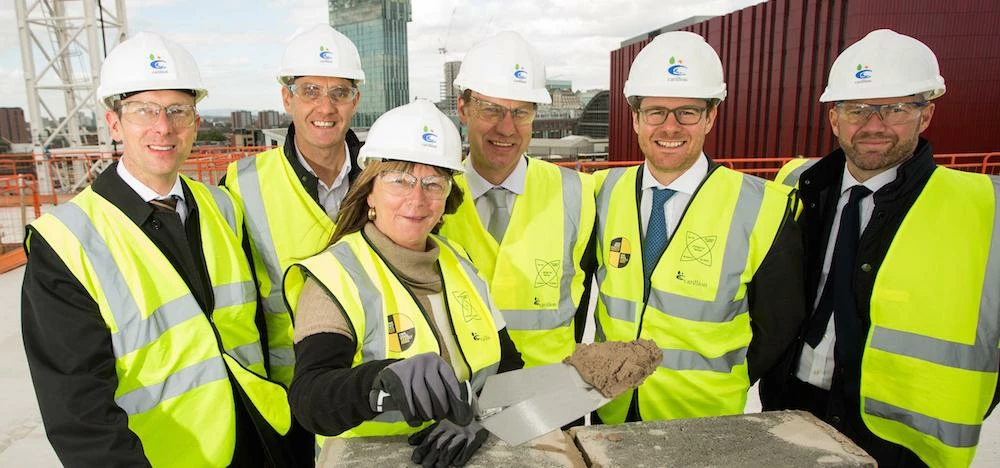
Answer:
(552, 450)
(786, 438)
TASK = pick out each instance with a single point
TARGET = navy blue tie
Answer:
(838, 293)
(656, 231)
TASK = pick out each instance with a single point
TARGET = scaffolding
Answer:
(63, 43)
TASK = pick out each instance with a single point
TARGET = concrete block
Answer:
(555, 449)
(783, 438)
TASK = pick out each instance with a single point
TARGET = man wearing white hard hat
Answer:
(902, 268)
(699, 258)
(526, 223)
(139, 309)
(291, 194)
(385, 263)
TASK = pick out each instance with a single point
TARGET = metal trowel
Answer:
(520, 405)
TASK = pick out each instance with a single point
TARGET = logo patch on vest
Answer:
(620, 252)
(401, 333)
(468, 312)
(698, 248)
(547, 273)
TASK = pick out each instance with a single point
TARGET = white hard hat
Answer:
(677, 64)
(884, 64)
(320, 50)
(416, 132)
(147, 62)
(504, 66)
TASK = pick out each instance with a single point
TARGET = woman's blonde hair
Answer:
(353, 214)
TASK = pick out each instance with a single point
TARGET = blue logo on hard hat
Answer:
(429, 136)
(156, 63)
(677, 67)
(520, 74)
(864, 72)
(325, 54)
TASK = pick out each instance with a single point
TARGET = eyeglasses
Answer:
(312, 93)
(401, 183)
(687, 115)
(148, 113)
(891, 114)
(494, 113)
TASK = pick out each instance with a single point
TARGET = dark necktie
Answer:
(167, 205)
(656, 231)
(838, 294)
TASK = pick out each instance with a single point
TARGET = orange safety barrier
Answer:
(19, 205)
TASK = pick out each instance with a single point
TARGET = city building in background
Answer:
(268, 119)
(13, 128)
(378, 29)
(776, 56)
(594, 121)
(242, 119)
(449, 94)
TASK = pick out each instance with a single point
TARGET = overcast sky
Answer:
(238, 43)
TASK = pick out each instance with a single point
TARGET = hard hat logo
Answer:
(325, 55)
(864, 73)
(677, 67)
(157, 63)
(429, 137)
(520, 74)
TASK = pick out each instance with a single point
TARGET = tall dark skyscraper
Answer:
(378, 29)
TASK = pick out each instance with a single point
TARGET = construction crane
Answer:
(63, 43)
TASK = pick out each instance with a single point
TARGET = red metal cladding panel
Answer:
(777, 56)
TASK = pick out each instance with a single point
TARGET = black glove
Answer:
(424, 388)
(445, 443)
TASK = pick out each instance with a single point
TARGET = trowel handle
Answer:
(380, 402)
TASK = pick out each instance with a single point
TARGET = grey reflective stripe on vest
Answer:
(687, 308)
(282, 356)
(677, 359)
(373, 342)
(135, 332)
(603, 207)
(260, 231)
(225, 205)
(982, 356)
(146, 398)
(470, 271)
(951, 434)
(621, 309)
(248, 354)
(793, 177)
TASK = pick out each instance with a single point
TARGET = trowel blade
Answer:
(521, 405)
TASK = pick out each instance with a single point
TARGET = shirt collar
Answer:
(514, 182)
(143, 190)
(687, 183)
(874, 184)
(344, 170)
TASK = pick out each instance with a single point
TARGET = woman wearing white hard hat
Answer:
(392, 308)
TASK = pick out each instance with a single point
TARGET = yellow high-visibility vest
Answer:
(172, 377)
(391, 324)
(696, 310)
(535, 272)
(285, 226)
(929, 368)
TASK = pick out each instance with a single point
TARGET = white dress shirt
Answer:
(685, 185)
(330, 197)
(478, 186)
(816, 364)
(149, 194)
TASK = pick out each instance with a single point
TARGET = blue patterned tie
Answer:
(656, 231)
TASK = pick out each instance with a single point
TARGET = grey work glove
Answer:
(445, 443)
(424, 388)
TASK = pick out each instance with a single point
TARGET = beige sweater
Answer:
(317, 312)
